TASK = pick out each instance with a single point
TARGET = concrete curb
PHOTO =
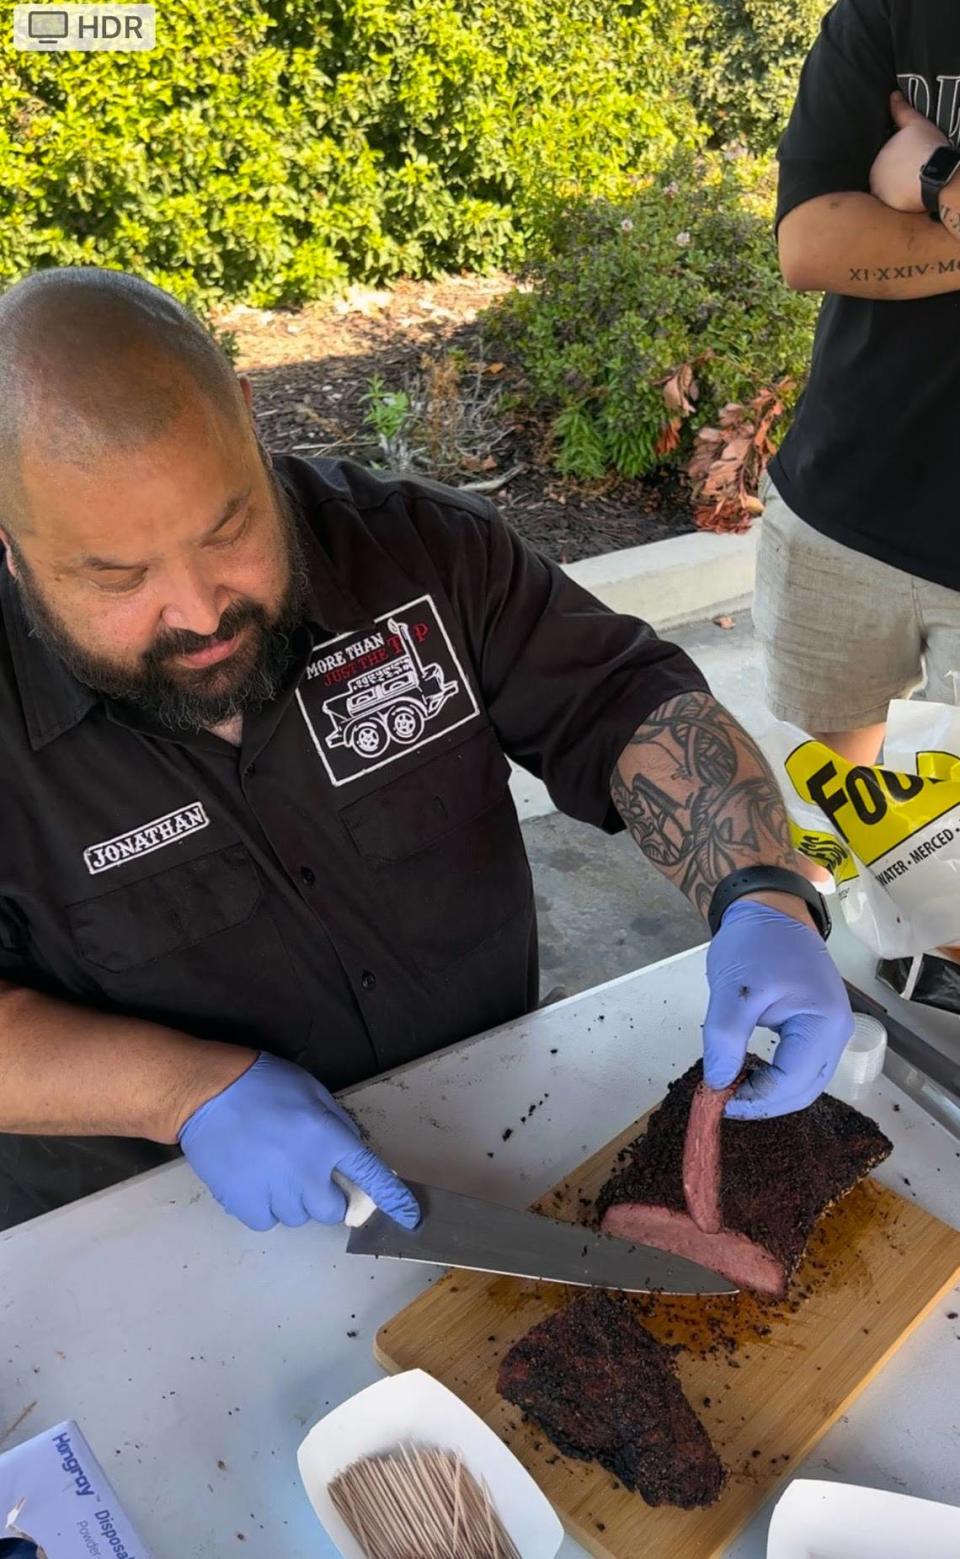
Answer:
(675, 581)
(666, 583)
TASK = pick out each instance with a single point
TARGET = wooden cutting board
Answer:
(767, 1380)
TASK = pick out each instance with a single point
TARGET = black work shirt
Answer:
(349, 888)
(869, 458)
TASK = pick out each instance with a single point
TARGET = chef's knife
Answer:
(462, 1231)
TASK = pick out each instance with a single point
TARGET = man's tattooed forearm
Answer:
(872, 273)
(696, 794)
(950, 219)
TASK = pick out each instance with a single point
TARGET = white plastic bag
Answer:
(889, 833)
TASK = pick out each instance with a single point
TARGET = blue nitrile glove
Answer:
(267, 1145)
(767, 970)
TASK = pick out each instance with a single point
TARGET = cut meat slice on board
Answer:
(604, 1389)
(701, 1156)
(777, 1177)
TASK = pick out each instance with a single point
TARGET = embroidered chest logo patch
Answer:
(370, 698)
(141, 841)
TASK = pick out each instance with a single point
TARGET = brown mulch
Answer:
(311, 368)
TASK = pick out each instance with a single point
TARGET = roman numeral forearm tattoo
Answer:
(872, 273)
(699, 798)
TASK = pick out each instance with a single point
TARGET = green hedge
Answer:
(267, 149)
(683, 275)
(749, 57)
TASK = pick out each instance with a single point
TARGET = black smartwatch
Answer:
(935, 174)
(767, 879)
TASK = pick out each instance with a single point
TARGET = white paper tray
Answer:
(818, 1520)
(413, 1408)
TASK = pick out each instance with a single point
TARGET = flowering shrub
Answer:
(646, 317)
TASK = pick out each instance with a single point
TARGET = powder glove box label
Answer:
(55, 1498)
(888, 832)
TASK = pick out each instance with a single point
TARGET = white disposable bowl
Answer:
(414, 1409)
(819, 1520)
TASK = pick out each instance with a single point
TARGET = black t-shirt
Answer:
(870, 458)
(349, 889)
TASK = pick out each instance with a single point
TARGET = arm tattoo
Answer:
(872, 273)
(950, 219)
(698, 797)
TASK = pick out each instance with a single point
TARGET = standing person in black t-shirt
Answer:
(859, 570)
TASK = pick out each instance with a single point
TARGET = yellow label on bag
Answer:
(872, 809)
(825, 849)
(938, 765)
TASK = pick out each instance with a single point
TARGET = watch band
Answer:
(930, 193)
(931, 188)
(770, 879)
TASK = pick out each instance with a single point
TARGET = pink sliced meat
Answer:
(734, 1255)
(701, 1156)
(739, 1197)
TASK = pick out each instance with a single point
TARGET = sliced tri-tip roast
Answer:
(701, 1156)
(603, 1389)
(755, 1189)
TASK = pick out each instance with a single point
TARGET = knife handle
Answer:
(360, 1207)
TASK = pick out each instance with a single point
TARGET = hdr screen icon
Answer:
(52, 29)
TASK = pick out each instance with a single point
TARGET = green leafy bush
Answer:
(267, 150)
(634, 298)
(749, 59)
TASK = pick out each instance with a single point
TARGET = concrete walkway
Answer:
(603, 910)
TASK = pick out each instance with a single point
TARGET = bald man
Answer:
(257, 841)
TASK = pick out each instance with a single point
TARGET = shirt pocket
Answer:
(443, 851)
(193, 946)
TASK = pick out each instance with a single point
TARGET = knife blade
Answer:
(462, 1231)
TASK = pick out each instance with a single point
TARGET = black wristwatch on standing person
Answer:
(935, 175)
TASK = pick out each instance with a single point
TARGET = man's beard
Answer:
(193, 700)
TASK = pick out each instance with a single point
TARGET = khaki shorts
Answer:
(842, 634)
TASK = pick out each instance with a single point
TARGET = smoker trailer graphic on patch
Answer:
(369, 698)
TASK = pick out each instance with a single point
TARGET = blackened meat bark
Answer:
(776, 1179)
(603, 1389)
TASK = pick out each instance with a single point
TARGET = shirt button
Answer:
(308, 876)
(368, 980)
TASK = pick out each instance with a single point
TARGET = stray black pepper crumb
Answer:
(951, 1315)
(351, 1334)
(508, 1134)
(706, 1401)
(553, 1052)
(601, 1526)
